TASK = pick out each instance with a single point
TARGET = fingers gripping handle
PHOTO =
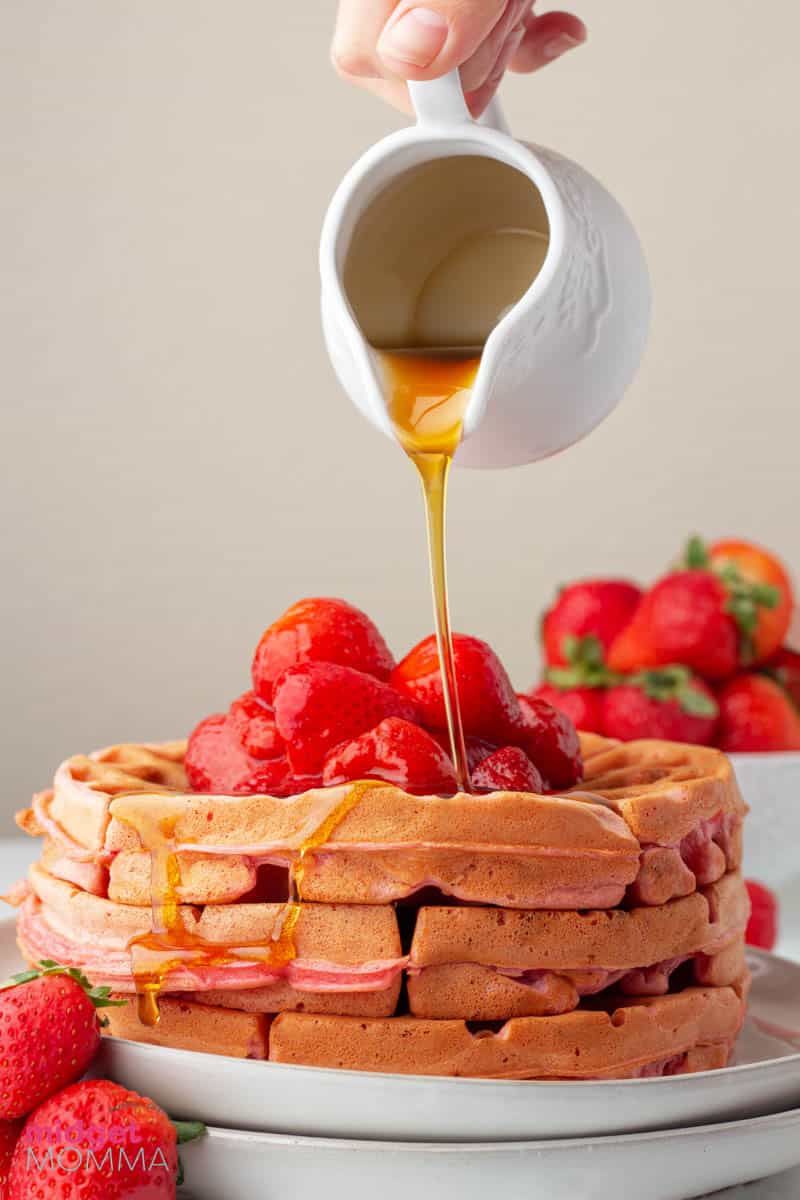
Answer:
(441, 102)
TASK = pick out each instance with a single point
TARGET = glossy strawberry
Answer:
(756, 714)
(320, 705)
(489, 707)
(397, 752)
(254, 723)
(217, 762)
(320, 630)
(683, 619)
(667, 702)
(583, 705)
(98, 1141)
(507, 770)
(762, 928)
(49, 1034)
(550, 741)
(600, 608)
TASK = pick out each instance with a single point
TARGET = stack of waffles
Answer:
(599, 934)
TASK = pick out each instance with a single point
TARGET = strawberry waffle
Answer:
(324, 894)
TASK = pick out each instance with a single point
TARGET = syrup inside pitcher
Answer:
(434, 264)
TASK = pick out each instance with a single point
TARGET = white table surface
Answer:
(17, 853)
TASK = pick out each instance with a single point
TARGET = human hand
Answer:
(380, 44)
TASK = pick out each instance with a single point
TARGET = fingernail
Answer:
(559, 45)
(417, 37)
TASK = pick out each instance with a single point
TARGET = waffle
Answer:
(623, 1040)
(654, 819)
(597, 934)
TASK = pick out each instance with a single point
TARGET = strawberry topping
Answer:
(320, 705)
(507, 770)
(320, 630)
(397, 752)
(489, 707)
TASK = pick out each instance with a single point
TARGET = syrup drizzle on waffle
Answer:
(170, 945)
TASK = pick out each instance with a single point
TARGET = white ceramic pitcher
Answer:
(561, 357)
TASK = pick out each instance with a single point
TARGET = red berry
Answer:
(49, 1033)
(477, 748)
(583, 705)
(507, 770)
(97, 1141)
(551, 742)
(762, 928)
(320, 630)
(760, 593)
(591, 607)
(489, 708)
(757, 714)
(254, 722)
(217, 762)
(669, 703)
(320, 705)
(684, 619)
(396, 752)
(784, 668)
(9, 1133)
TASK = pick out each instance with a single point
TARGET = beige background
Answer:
(179, 464)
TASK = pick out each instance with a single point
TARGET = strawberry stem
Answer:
(99, 996)
(675, 682)
(586, 667)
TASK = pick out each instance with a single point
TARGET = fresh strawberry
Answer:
(597, 607)
(760, 594)
(217, 762)
(762, 928)
(49, 1033)
(784, 668)
(396, 752)
(667, 702)
(507, 770)
(9, 1133)
(684, 619)
(98, 1141)
(757, 714)
(320, 630)
(254, 722)
(320, 705)
(489, 708)
(550, 741)
(576, 688)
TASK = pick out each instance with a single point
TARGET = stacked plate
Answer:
(360, 1135)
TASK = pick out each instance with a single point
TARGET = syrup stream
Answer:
(427, 395)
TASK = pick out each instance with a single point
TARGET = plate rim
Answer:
(788, 1116)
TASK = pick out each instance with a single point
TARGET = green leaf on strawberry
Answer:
(586, 665)
(675, 683)
(99, 996)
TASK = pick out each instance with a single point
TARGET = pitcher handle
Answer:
(441, 102)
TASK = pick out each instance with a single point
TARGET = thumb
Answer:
(428, 40)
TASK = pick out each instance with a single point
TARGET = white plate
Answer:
(273, 1098)
(671, 1165)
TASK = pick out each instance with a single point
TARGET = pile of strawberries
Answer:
(329, 704)
(699, 657)
(60, 1138)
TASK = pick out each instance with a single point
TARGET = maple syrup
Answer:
(427, 395)
(169, 945)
